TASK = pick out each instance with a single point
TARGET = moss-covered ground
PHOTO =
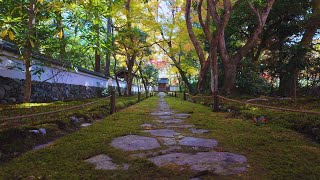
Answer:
(15, 135)
(305, 123)
(273, 151)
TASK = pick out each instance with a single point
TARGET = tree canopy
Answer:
(254, 47)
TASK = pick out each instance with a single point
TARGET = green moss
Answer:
(307, 124)
(274, 151)
(64, 159)
(56, 124)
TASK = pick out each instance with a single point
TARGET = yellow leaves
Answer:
(81, 1)
(11, 36)
(192, 71)
(31, 43)
(4, 33)
(174, 70)
(40, 1)
(95, 2)
(59, 34)
(123, 64)
(188, 46)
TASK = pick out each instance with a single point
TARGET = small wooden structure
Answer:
(162, 84)
(122, 73)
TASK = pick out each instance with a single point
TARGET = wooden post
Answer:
(184, 95)
(175, 94)
(139, 98)
(150, 95)
(215, 101)
(112, 101)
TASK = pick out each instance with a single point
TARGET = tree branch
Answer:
(243, 51)
(205, 26)
(192, 36)
(255, 11)
(213, 11)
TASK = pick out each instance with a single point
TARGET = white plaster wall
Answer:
(174, 88)
(54, 74)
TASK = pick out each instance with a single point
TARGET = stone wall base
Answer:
(11, 91)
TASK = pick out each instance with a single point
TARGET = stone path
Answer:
(169, 143)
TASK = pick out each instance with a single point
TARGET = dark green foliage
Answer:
(249, 80)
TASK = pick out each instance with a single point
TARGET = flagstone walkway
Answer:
(174, 142)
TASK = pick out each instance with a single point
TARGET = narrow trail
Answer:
(172, 141)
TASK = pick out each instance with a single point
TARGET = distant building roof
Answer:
(163, 81)
(122, 73)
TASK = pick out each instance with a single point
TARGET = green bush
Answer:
(249, 80)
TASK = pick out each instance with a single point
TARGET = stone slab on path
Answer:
(170, 149)
(180, 126)
(164, 117)
(134, 142)
(198, 142)
(147, 126)
(173, 121)
(162, 132)
(168, 141)
(161, 113)
(170, 121)
(104, 162)
(182, 115)
(218, 163)
(198, 131)
(222, 163)
(86, 124)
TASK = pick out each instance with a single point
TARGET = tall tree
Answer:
(108, 51)
(311, 27)
(231, 60)
(28, 51)
(211, 38)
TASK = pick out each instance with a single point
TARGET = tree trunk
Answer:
(107, 68)
(230, 62)
(229, 81)
(203, 76)
(130, 63)
(97, 61)
(28, 81)
(200, 53)
(129, 85)
(108, 51)
(313, 25)
(214, 73)
(143, 80)
(97, 52)
(286, 86)
(28, 52)
(185, 80)
(61, 36)
(115, 75)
